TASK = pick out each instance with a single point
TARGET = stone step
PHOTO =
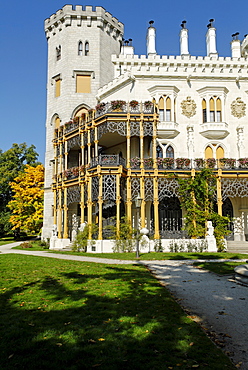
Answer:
(237, 246)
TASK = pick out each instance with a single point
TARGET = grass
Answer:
(7, 240)
(58, 314)
(145, 256)
(220, 268)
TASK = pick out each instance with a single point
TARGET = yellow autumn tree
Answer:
(27, 200)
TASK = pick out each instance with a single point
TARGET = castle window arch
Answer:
(161, 109)
(169, 152)
(86, 48)
(218, 110)
(159, 151)
(204, 110)
(168, 109)
(213, 103)
(214, 150)
(212, 110)
(80, 48)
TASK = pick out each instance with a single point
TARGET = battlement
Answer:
(69, 15)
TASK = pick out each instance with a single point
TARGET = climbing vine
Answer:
(197, 198)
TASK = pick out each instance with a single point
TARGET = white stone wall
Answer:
(65, 29)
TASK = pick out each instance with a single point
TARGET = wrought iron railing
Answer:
(108, 160)
(124, 108)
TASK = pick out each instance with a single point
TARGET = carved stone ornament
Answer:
(188, 107)
(238, 108)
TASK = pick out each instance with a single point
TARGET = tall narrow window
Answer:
(159, 152)
(161, 109)
(86, 48)
(212, 110)
(208, 152)
(169, 152)
(80, 48)
(168, 109)
(219, 152)
(204, 111)
(57, 122)
(83, 83)
(58, 52)
(218, 110)
(57, 87)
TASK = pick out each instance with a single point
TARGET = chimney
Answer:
(235, 46)
(184, 48)
(151, 39)
(127, 47)
(211, 40)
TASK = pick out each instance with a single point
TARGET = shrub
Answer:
(82, 240)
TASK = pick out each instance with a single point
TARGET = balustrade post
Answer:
(219, 195)
(100, 203)
(155, 205)
(65, 236)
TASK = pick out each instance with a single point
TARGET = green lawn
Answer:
(221, 268)
(145, 256)
(59, 314)
(7, 240)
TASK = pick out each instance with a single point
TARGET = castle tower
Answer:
(80, 44)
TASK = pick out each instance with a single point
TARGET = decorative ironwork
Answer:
(85, 139)
(73, 194)
(92, 136)
(85, 194)
(148, 189)
(70, 126)
(57, 150)
(135, 188)
(73, 142)
(148, 128)
(109, 187)
(135, 129)
(167, 188)
(112, 126)
(234, 188)
(95, 188)
(108, 160)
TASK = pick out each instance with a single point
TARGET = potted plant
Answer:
(227, 162)
(148, 162)
(134, 104)
(182, 162)
(117, 104)
(199, 162)
(211, 162)
(135, 162)
(148, 104)
(168, 163)
(100, 107)
(243, 162)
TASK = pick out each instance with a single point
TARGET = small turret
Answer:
(235, 46)
(184, 48)
(211, 40)
(151, 39)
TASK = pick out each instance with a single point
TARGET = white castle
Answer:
(117, 121)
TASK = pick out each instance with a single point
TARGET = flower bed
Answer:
(227, 162)
(182, 162)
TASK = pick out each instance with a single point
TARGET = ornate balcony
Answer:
(214, 130)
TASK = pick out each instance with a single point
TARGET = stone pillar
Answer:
(151, 40)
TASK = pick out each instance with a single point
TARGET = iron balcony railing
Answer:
(108, 160)
(124, 108)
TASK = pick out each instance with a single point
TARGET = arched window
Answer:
(204, 111)
(86, 48)
(57, 122)
(159, 152)
(218, 110)
(208, 152)
(168, 109)
(212, 110)
(80, 48)
(169, 152)
(219, 152)
(161, 109)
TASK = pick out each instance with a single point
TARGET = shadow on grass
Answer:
(117, 318)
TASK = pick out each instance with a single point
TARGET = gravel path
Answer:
(218, 304)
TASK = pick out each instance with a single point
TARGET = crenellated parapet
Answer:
(78, 16)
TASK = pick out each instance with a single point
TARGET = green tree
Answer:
(12, 162)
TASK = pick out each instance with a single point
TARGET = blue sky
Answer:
(23, 49)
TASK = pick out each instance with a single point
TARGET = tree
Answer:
(27, 202)
(197, 198)
(12, 162)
